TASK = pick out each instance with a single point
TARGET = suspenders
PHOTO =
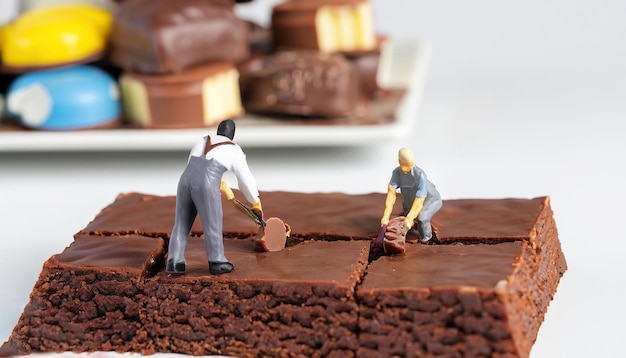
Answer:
(210, 146)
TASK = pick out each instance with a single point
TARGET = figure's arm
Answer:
(418, 203)
(422, 185)
(247, 183)
(226, 190)
(230, 196)
(416, 207)
(389, 202)
(245, 179)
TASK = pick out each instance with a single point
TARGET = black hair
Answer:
(226, 128)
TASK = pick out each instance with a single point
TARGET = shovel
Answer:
(228, 192)
(274, 237)
(381, 236)
(251, 213)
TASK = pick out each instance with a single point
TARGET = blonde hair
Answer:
(406, 155)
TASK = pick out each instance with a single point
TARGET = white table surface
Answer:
(522, 99)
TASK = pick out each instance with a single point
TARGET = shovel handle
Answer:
(381, 235)
(246, 210)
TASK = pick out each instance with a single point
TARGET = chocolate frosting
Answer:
(487, 219)
(428, 266)
(338, 263)
(139, 254)
(328, 216)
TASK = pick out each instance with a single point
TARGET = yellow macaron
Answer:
(55, 35)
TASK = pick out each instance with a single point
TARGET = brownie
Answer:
(466, 300)
(296, 302)
(86, 297)
(482, 289)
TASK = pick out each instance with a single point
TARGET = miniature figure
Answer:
(199, 192)
(421, 200)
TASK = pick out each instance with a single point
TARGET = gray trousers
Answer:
(199, 193)
(432, 204)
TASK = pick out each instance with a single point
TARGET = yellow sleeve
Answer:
(418, 203)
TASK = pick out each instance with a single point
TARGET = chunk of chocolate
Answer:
(324, 25)
(305, 84)
(161, 36)
(197, 97)
(274, 236)
(394, 241)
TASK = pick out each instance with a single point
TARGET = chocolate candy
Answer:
(161, 36)
(303, 83)
(324, 25)
(198, 97)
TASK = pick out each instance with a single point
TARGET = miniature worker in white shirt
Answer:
(421, 198)
(199, 192)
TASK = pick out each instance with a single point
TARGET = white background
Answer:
(522, 99)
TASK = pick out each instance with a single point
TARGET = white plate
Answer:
(404, 66)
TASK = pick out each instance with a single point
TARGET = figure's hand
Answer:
(416, 208)
(256, 207)
(409, 222)
(226, 190)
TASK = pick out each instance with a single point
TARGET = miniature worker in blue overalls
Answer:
(199, 192)
(421, 200)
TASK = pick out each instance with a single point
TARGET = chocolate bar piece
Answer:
(197, 97)
(324, 25)
(161, 36)
(304, 83)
